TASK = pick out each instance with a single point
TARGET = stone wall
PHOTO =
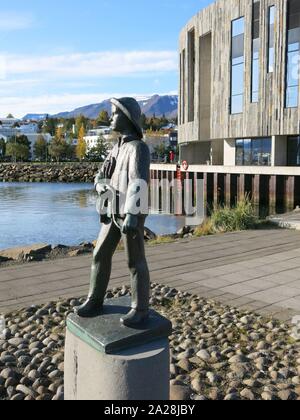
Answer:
(65, 172)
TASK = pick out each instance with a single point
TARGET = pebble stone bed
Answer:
(217, 352)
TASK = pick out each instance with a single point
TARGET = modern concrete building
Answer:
(239, 85)
(239, 104)
(10, 127)
(13, 127)
(93, 136)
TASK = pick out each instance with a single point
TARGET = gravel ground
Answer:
(217, 352)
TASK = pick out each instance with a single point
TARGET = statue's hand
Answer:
(101, 188)
(130, 224)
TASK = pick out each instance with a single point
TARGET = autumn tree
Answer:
(18, 149)
(80, 121)
(58, 145)
(69, 123)
(22, 139)
(2, 147)
(103, 118)
(70, 148)
(144, 122)
(81, 145)
(40, 148)
(49, 125)
(99, 152)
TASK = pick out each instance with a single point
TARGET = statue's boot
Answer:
(107, 243)
(135, 318)
(90, 308)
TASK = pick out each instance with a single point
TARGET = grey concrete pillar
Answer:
(137, 374)
(105, 360)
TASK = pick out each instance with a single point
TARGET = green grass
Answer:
(241, 217)
(161, 240)
(205, 229)
(223, 219)
(226, 219)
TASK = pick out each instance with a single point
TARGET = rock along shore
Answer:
(64, 172)
(41, 252)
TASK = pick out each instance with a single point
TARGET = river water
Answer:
(58, 214)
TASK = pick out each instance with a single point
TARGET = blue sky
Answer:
(60, 54)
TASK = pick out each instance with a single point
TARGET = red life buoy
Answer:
(185, 165)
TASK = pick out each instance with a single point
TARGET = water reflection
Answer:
(82, 198)
(57, 213)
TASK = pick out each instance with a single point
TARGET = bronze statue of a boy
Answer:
(128, 163)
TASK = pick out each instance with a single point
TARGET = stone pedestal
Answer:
(107, 361)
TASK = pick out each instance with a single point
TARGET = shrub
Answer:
(226, 219)
(205, 229)
(241, 217)
(245, 214)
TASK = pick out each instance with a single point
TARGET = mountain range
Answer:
(153, 105)
(35, 117)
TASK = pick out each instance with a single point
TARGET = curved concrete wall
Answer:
(204, 106)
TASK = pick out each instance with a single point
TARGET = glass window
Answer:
(294, 151)
(247, 152)
(180, 92)
(271, 39)
(256, 152)
(253, 152)
(183, 88)
(238, 50)
(293, 54)
(238, 80)
(255, 52)
(266, 151)
(240, 152)
(292, 96)
(237, 103)
(237, 66)
(238, 27)
(255, 80)
(191, 64)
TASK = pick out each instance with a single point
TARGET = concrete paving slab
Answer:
(255, 270)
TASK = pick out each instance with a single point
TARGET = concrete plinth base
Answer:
(141, 373)
(105, 360)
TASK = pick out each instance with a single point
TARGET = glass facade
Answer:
(254, 152)
(237, 65)
(271, 39)
(293, 54)
(255, 51)
(294, 151)
(191, 64)
(183, 87)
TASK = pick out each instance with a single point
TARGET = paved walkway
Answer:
(287, 220)
(255, 270)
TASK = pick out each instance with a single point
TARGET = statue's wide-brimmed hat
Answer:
(132, 110)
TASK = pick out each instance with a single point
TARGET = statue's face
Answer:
(119, 121)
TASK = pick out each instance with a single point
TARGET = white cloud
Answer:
(8, 84)
(53, 104)
(24, 80)
(13, 21)
(94, 64)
